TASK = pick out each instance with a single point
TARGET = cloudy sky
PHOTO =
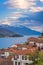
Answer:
(28, 13)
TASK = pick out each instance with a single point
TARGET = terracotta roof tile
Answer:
(19, 45)
(34, 40)
(28, 46)
(24, 52)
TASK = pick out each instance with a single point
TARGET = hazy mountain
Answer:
(7, 33)
(21, 30)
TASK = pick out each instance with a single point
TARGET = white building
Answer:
(5, 54)
(21, 58)
(35, 41)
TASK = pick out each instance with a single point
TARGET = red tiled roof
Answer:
(24, 52)
(4, 50)
(28, 46)
(19, 45)
(34, 40)
(11, 49)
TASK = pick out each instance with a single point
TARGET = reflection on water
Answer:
(7, 42)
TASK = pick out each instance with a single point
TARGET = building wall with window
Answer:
(21, 60)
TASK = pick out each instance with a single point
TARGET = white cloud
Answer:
(16, 15)
(22, 4)
(36, 9)
(12, 19)
(6, 22)
(37, 28)
(41, 0)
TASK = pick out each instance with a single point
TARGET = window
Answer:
(25, 57)
(26, 64)
(2, 56)
(15, 63)
(30, 58)
(3, 53)
(14, 58)
(17, 56)
(22, 57)
(18, 63)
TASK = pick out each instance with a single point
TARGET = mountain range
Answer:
(17, 30)
(8, 33)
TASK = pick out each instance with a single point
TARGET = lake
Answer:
(7, 42)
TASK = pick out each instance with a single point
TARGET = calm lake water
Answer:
(7, 42)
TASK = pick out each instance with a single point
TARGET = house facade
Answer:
(38, 42)
(5, 53)
(21, 57)
(21, 60)
(21, 54)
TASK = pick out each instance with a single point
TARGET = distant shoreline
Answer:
(11, 37)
